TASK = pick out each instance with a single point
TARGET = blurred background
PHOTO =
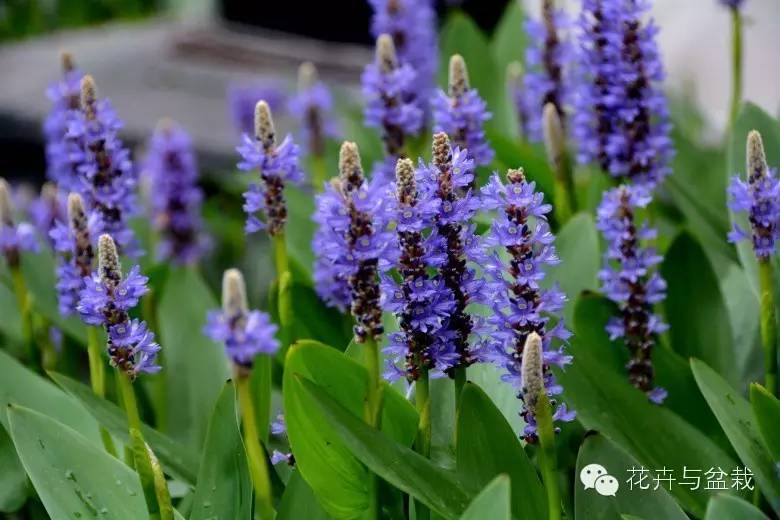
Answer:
(202, 62)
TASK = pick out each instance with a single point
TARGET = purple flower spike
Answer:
(312, 106)
(621, 119)
(412, 25)
(74, 254)
(106, 174)
(105, 300)
(629, 279)
(245, 334)
(14, 238)
(352, 244)
(176, 199)
(759, 197)
(47, 209)
(521, 308)
(548, 58)
(276, 164)
(463, 113)
(61, 151)
(421, 302)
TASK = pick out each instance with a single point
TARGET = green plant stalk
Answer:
(422, 444)
(546, 433)
(768, 323)
(736, 65)
(125, 387)
(25, 310)
(258, 466)
(459, 375)
(319, 172)
(372, 411)
(280, 254)
(97, 378)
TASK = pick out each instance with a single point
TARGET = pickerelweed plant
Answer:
(415, 340)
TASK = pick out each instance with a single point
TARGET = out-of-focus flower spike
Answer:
(558, 157)
(14, 238)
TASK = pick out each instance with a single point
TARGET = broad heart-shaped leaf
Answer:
(298, 501)
(338, 479)
(697, 316)
(729, 507)
(493, 502)
(751, 117)
(654, 435)
(766, 409)
(74, 478)
(13, 480)
(644, 503)
(224, 487)
(177, 459)
(195, 367)
(437, 488)
(487, 447)
(737, 419)
(578, 248)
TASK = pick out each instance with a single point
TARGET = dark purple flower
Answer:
(520, 306)
(759, 198)
(61, 151)
(14, 238)
(173, 175)
(352, 243)
(105, 300)
(242, 101)
(312, 106)
(462, 114)
(621, 119)
(106, 174)
(412, 25)
(548, 58)
(245, 334)
(629, 279)
(276, 164)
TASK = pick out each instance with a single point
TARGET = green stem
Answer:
(97, 378)
(422, 444)
(258, 466)
(546, 433)
(280, 254)
(372, 411)
(736, 65)
(125, 386)
(25, 310)
(319, 172)
(768, 323)
(460, 381)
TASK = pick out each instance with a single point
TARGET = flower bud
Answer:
(264, 125)
(459, 76)
(531, 371)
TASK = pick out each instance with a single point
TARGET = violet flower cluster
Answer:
(462, 114)
(14, 238)
(412, 26)
(47, 209)
(277, 164)
(759, 198)
(62, 151)
(245, 334)
(621, 120)
(175, 197)
(106, 299)
(312, 106)
(629, 279)
(352, 243)
(520, 305)
(421, 301)
(74, 254)
(107, 179)
(548, 58)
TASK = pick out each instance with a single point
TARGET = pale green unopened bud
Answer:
(756, 158)
(515, 176)
(404, 176)
(264, 125)
(441, 150)
(531, 371)
(88, 93)
(109, 267)
(350, 169)
(76, 214)
(6, 206)
(234, 301)
(307, 76)
(68, 64)
(386, 58)
(554, 139)
(459, 76)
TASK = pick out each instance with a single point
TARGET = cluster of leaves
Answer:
(50, 440)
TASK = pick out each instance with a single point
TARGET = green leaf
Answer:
(698, 319)
(487, 446)
(511, 154)
(338, 479)
(11, 324)
(177, 459)
(195, 367)
(299, 501)
(74, 478)
(507, 45)
(13, 480)
(158, 499)
(224, 486)
(728, 507)
(766, 409)
(736, 417)
(643, 503)
(410, 472)
(493, 502)
(578, 248)
(605, 401)
(300, 227)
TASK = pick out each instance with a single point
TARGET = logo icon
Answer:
(595, 476)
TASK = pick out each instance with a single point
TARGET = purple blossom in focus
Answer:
(629, 279)
(176, 199)
(520, 305)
